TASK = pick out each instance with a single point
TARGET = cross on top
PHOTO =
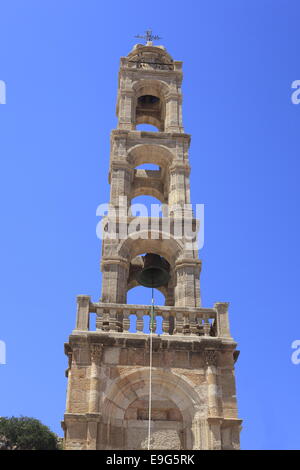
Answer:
(148, 36)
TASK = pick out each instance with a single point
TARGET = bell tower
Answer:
(173, 388)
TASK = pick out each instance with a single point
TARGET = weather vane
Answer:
(149, 37)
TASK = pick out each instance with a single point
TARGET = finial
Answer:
(149, 37)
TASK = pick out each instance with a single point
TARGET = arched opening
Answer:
(150, 153)
(166, 420)
(151, 241)
(139, 295)
(149, 180)
(148, 166)
(126, 408)
(150, 103)
(150, 110)
(146, 128)
(145, 204)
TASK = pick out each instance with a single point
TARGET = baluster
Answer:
(206, 326)
(199, 324)
(178, 324)
(154, 324)
(113, 326)
(186, 325)
(105, 320)
(165, 323)
(193, 323)
(126, 320)
(140, 321)
(171, 324)
(99, 319)
(119, 323)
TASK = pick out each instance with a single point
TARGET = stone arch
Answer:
(167, 388)
(150, 182)
(151, 241)
(150, 87)
(167, 291)
(148, 190)
(150, 153)
(150, 102)
(164, 290)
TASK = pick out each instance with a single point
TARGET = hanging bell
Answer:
(155, 272)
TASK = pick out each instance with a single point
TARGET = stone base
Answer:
(193, 392)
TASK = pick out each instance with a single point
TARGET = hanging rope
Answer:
(150, 369)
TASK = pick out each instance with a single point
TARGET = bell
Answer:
(155, 272)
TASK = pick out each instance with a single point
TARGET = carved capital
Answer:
(221, 307)
(96, 352)
(210, 357)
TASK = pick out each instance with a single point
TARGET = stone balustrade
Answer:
(195, 321)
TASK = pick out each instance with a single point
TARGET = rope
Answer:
(150, 370)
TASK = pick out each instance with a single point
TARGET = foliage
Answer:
(26, 433)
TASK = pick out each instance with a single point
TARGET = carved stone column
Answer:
(124, 109)
(82, 317)
(211, 359)
(187, 290)
(121, 175)
(96, 354)
(114, 279)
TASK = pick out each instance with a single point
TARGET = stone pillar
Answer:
(125, 111)
(199, 432)
(211, 358)
(179, 192)
(96, 354)
(187, 290)
(121, 175)
(82, 317)
(92, 432)
(215, 439)
(173, 113)
(114, 279)
(222, 319)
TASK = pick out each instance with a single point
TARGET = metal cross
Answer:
(149, 37)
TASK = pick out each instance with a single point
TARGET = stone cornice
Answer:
(116, 164)
(115, 260)
(133, 134)
(183, 262)
(165, 341)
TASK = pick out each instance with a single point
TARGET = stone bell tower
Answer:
(193, 402)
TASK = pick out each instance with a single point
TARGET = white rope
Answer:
(150, 372)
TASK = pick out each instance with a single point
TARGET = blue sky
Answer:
(59, 60)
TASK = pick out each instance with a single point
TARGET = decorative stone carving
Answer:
(96, 352)
(210, 357)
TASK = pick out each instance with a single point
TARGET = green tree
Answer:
(26, 433)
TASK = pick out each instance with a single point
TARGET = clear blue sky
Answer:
(60, 59)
